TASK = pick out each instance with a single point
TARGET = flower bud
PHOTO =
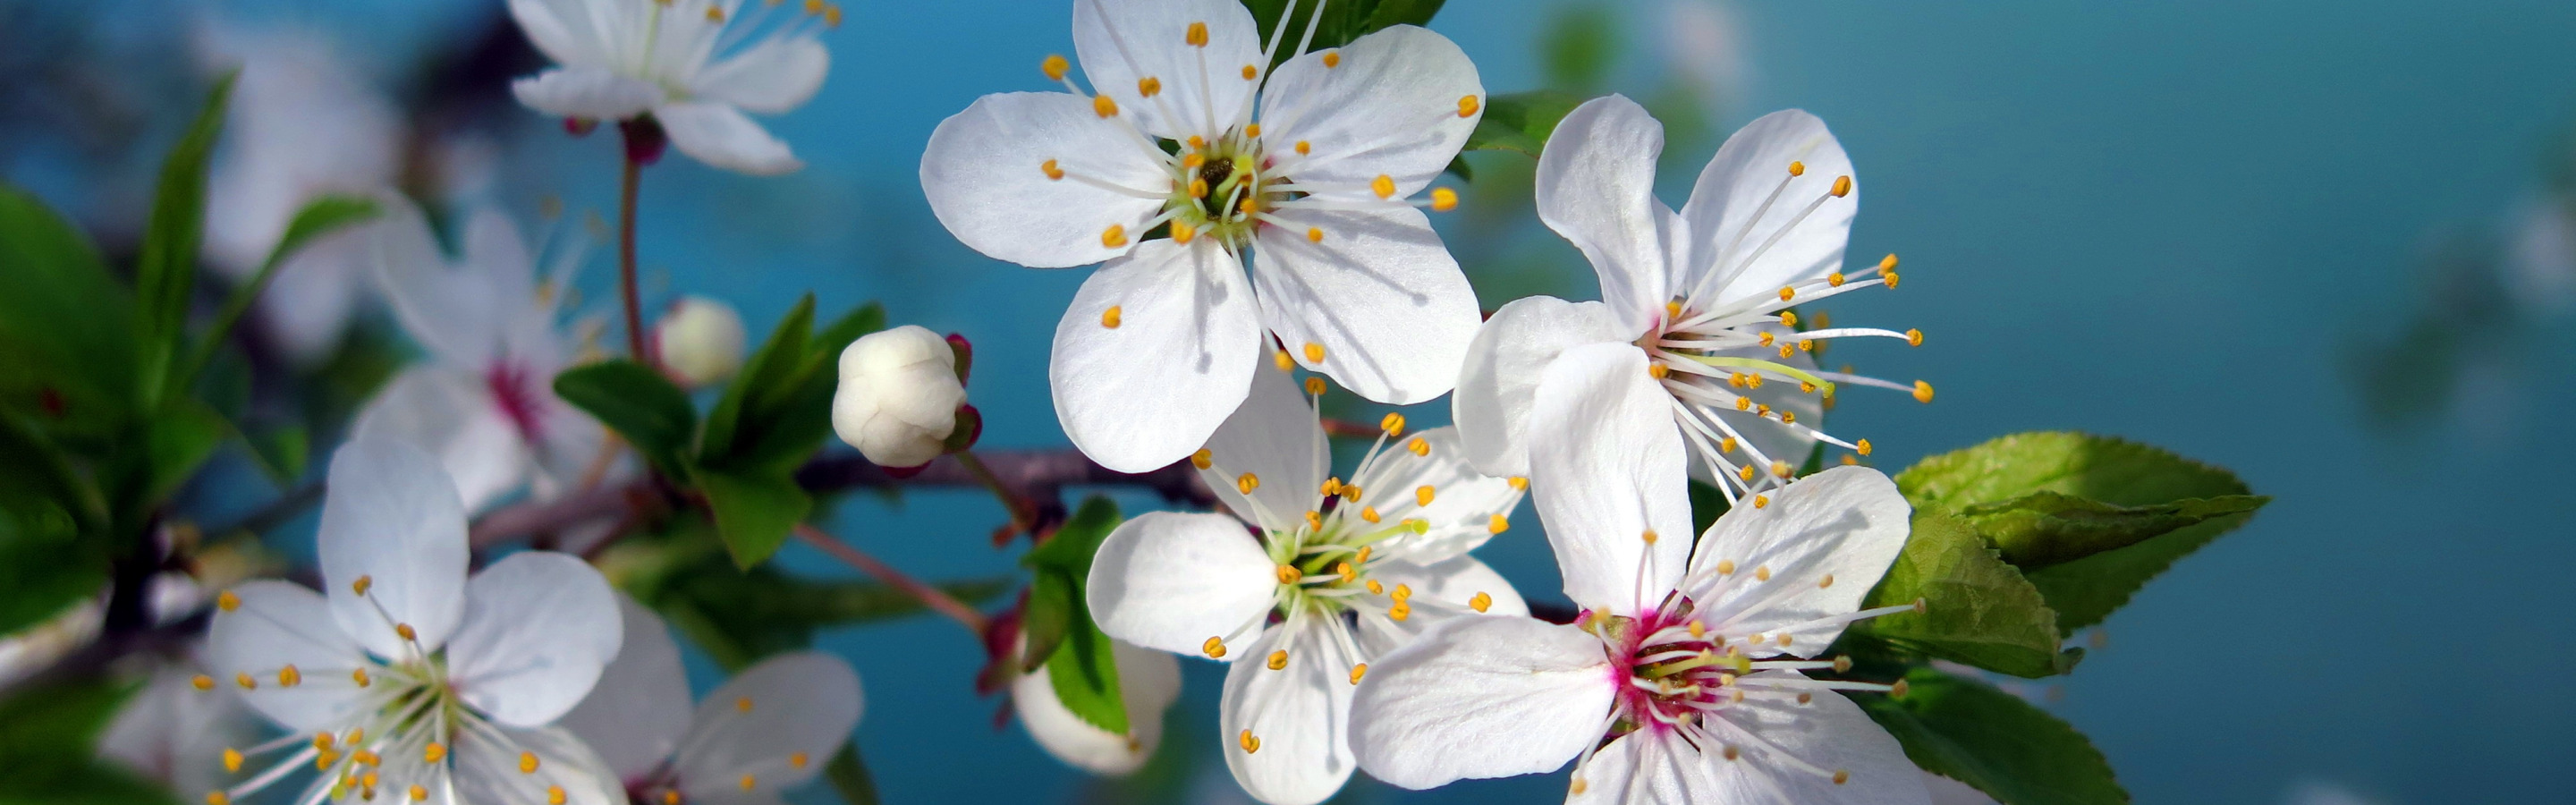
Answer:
(701, 341)
(1148, 682)
(899, 396)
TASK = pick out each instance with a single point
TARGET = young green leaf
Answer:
(47, 735)
(1085, 675)
(1977, 610)
(1341, 21)
(768, 367)
(1973, 733)
(2047, 528)
(282, 452)
(1078, 540)
(1063, 566)
(640, 404)
(1055, 601)
(1521, 121)
(755, 512)
(65, 323)
(167, 266)
(322, 216)
(177, 442)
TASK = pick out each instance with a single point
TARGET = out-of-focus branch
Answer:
(928, 595)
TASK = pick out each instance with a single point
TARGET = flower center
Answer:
(515, 391)
(1223, 189)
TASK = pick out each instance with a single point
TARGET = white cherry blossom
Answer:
(1148, 682)
(1707, 292)
(406, 680)
(898, 397)
(771, 728)
(484, 402)
(1308, 582)
(694, 66)
(1684, 680)
(1309, 172)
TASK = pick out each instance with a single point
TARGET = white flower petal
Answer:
(802, 705)
(1171, 581)
(1499, 381)
(487, 770)
(637, 712)
(1151, 390)
(569, 443)
(539, 627)
(1464, 502)
(721, 136)
(175, 734)
(392, 518)
(1148, 682)
(1738, 247)
(567, 31)
(277, 625)
(1203, 92)
(494, 250)
(1442, 592)
(1388, 108)
(1847, 523)
(985, 174)
(1300, 715)
(592, 93)
(450, 413)
(1946, 791)
(1379, 293)
(457, 315)
(772, 77)
(1596, 187)
(1481, 697)
(1608, 468)
(1276, 438)
(1828, 733)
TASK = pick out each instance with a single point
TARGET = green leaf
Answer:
(1977, 610)
(2114, 471)
(1579, 46)
(1085, 675)
(1063, 566)
(321, 216)
(65, 323)
(1055, 601)
(1973, 733)
(1521, 121)
(282, 452)
(1390, 13)
(1078, 540)
(849, 776)
(167, 267)
(46, 735)
(640, 404)
(2048, 528)
(178, 442)
(754, 513)
(768, 367)
(1342, 21)
(45, 566)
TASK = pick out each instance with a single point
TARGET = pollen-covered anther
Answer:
(798, 760)
(245, 681)
(1760, 501)
(1842, 186)
(1767, 336)
(1698, 631)
(1183, 233)
(1114, 237)
(1055, 67)
(232, 760)
(1401, 610)
(1314, 234)
(1111, 318)
(1289, 574)
(1251, 72)
(1252, 130)
(1843, 664)
(1443, 199)
(227, 601)
(1198, 35)
(1369, 513)
(1834, 279)
(1332, 58)
(202, 682)
(1519, 482)
(218, 798)
(1797, 168)
(1103, 106)
(404, 631)
(1149, 86)
(1780, 468)
(1650, 536)
(1053, 171)
(1392, 423)
(288, 677)
(1578, 786)
(1744, 473)
(419, 793)
(1315, 386)
(1198, 187)
(1658, 370)
(1347, 573)
(1279, 660)
(1726, 445)
(1214, 648)
(1376, 588)
(1786, 293)
(1914, 337)
(1304, 147)
(1422, 495)
(1672, 310)
(1481, 602)
(1784, 640)
(433, 753)
(1468, 105)
(715, 14)
(1331, 487)
(1827, 581)
(1383, 186)
(1788, 318)
(1841, 776)
(1314, 352)
(1762, 573)
(742, 704)
(1249, 743)
(1497, 524)
(1922, 392)
(748, 782)
(1201, 459)
(1808, 345)
(1788, 351)
(362, 585)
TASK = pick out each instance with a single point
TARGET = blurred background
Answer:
(2329, 246)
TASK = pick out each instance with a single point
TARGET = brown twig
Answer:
(930, 596)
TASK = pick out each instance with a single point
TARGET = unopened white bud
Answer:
(898, 397)
(701, 341)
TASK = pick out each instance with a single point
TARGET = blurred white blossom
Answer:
(695, 66)
(700, 341)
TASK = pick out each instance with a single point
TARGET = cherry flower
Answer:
(484, 403)
(1333, 575)
(1148, 682)
(693, 66)
(406, 679)
(1707, 293)
(174, 734)
(1312, 169)
(771, 728)
(1684, 679)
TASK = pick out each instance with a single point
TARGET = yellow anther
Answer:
(1797, 168)
(356, 735)
(1673, 310)
(1726, 445)
(1303, 147)
(670, 797)
(1467, 105)
(1658, 370)
(218, 798)
(1289, 574)
(1497, 524)
(1375, 588)
(1806, 345)
(435, 753)
(1183, 233)
(1784, 640)
(1650, 536)
(1744, 473)
(1578, 787)
(1332, 58)
(1788, 318)
(1214, 648)
(748, 782)
(1331, 487)
(227, 601)
(1698, 631)
(1787, 293)
(1420, 447)
(1422, 494)
(555, 793)
(1198, 187)
(1315, 386)
(1400, 611)
(1753, 380)
(404, 631)
(1805, 387)
(1834, 279)
(1863, 446)
(322, 742)
(1279, 660)
(202, 682)
(1481, 602)
(419, 793)
(1888, 277)
(1851, 461)
(811, 6)
(1250, 744)
(831, 19)
(1780, 468)
(1519, 482)
(1887, 263)
(1197, 36)
(1201, 459)
(1392, 423)
(245, 682)
(1788, 351)
(1249, 73)
(1383, 186)
(1827, 581)
(363, 584)
(1114, 237)
(1103, 106)
(742, 704)
(1052, 171)
(1768, 336)
(1369, 513)
(232, 760)
(365, 757)
(1842, 186)
(1314, 352)
(1743, 403)
(1252, 130)
(1788, 417)
(1403, 592)
(1443, 199)
(715, 14)
(289, 677)
(1363, 555)
(1250, 205)
(1922, 392)
(1898, 690)
(1726, 567)
(1314, 234)
(1914, 338)
(798, 760)
(1148, 86)
(527, 762)
(1762, 573)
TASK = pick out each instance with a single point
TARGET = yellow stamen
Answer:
(227, 601)
(202, 682)
(1788, 318)
(1826, 582)
(1249, 73)
(798, 760)
(715, 14)
(1375, 588)
(1481, 602)
(1197, 36)
(1650, 536)
(1201, 459)
(435, 753)
(1842, 186)
(1289, 574)
(1443, 199)
(1922, 392)
(1358, 671)
(1314, 352)
(1053, 172)
(1148, 86)
(1726, 445)
(1383, 186)
(1103, 106)
(1246, 483)
(1315, 234)
(1392, 423)
(1114, 237)
(363, 584)
(1332, 59)
(1055, 67)
(419, 793)
(1760, 501)
(1422, 495)
(742, 704)
(289, 677)
(1658, 370)
(1834, 279)
(1864, 446)
(404, 631)
(1519, 483)
(245, 682)
(555, 795)
(1303, 147)
(1797, 168)
(1497, 524)
(232, 760)
(1467, 106)
(1368, 513)
(1726, 567)
(1315, 386)
(1214, 648)
(1279, 660)
(748, 782)
(1786, 293)
(1250, 744)
(1914, 338)
(218, 798)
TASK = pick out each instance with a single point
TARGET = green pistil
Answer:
(1822, 384)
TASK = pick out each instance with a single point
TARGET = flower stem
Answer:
(1023, 512)
(633, 176)
(928, 595)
